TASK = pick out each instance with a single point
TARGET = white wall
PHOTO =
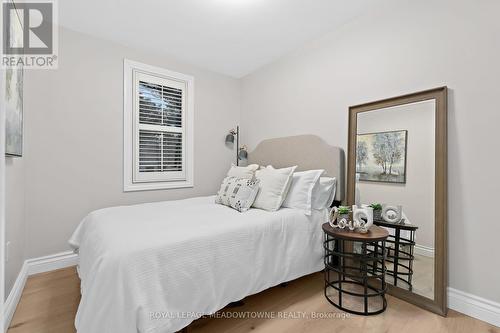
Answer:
(15, 230)
(417, 194)
(74, 137)
(404, 46)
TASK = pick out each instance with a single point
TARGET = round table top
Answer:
(374, 234)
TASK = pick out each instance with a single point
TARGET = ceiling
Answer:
(232, 37)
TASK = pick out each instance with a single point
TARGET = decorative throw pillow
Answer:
(301, 190)
(237, 193)
(243, 172)
(274, 186)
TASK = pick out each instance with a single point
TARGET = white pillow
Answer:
(243, 172)
(301, 189)
(237, 193)
(274, 185)
(324, 193)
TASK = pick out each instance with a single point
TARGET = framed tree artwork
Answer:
(381, 157)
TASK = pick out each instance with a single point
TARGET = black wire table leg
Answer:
(355, 271)
(396, 256)
(364, 274)
(341, 276)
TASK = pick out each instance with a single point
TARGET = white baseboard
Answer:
(474, 306)
(52, 262)
(425, 251)
(14, 296)
(31, 267)
(460, 301)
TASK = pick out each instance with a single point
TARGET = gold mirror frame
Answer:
(439, 303)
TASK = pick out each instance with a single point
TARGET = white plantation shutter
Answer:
(160, 130)
(160, 151)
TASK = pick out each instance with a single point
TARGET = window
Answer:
(158, 128)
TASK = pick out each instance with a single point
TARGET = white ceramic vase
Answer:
(392, 214)
(360, 213)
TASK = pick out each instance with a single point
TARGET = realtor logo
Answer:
(29, 36)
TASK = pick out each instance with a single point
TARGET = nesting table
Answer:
(355, 275)
(401, 254)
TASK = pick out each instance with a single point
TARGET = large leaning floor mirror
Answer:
(397, 165)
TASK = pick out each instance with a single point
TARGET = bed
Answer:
(156, 267)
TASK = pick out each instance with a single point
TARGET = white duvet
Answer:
(154, 267)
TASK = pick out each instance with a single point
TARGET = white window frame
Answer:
(132, 70)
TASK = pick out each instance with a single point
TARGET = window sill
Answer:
(131, 187)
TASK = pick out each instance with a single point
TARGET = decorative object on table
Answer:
(381, 157)
(344, 212)
(241, 152)
(332, 218)
(392, 214)
(359, 215)
(343, 223)
(377, 211)
(14, 99)
(361, 221)
(339, 217)
(346, 284)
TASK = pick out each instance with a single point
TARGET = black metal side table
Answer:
(401, 255)
(347, 273)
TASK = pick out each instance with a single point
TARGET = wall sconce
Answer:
(230, 136)
(241, 152)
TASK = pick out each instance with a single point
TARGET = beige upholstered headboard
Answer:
(307, 152)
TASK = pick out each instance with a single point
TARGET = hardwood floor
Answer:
(423, 276)
(48, 303)
(50, 300)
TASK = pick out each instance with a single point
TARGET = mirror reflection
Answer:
(395, 170)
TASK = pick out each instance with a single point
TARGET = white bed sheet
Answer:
(154, 267)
